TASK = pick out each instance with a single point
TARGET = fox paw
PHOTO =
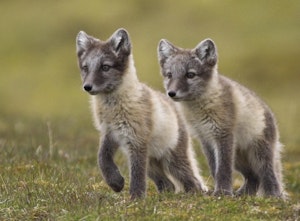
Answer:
(222, 193)
(137, 195)
(117, 184)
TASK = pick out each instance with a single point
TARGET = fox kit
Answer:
(130, 115)
(233, 125)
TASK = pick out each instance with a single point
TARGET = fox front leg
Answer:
(209, 152)
(223, 176)
(110, 171)
(138, 162)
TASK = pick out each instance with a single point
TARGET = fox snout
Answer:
(178, 94)
(87, 87)
(172, 93)
(90, 89)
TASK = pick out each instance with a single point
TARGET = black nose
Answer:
(87, 87)
(172, 93)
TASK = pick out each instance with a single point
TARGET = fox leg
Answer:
(110, 171)
(138, 163)
(263, 161)
(251, 179)
(250, 186)
(181, 169)
(223, 175)
(156, 173)
(251, 183)
(209, 153)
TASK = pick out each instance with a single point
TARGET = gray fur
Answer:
(235, 127)
(144, 123)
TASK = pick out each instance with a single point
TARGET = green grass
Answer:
(49, 171)
(48, 146)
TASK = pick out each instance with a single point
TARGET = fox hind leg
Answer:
(251, 179)
(156, 173)
(263, 164)
(180, 168)
(251, 184)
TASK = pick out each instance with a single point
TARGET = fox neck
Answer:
(213, 88)
(130, 79)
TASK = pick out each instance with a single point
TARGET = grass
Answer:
(49, 171)
(48, 146)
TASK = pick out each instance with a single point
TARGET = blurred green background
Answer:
(258, 44)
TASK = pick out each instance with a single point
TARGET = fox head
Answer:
(187, 73)
(102, 63)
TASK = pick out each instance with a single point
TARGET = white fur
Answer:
(250, 121)
(165, 133)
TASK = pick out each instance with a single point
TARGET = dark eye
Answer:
(105, 67)
(85, 68)
(169, 75)
(190, 75)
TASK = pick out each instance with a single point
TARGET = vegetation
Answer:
(49, 172)
(48, 146)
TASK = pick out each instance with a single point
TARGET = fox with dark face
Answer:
(144, 123)
(235, 127)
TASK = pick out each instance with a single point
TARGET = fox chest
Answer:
(205, 123)
(125, 126)
(204, 126)
(121, 125)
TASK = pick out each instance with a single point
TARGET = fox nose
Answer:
(172, 93)
(87, 87)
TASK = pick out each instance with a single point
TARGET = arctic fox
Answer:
(130, 115)
(234, 126)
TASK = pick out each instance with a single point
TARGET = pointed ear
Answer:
(83, 42)
(207, 52)
(165, 49)
(120, 42)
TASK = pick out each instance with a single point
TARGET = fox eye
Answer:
(85, 68)
(105, 67)
(190, 75)
(169, 75)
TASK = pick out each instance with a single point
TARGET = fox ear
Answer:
(165, 49)
(120, 42)
(207, 52)
(83, 42)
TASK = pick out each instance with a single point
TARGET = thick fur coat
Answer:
(235, 127)
(144, 123)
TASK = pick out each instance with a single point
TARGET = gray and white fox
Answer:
(235, 127)
(130, 115)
